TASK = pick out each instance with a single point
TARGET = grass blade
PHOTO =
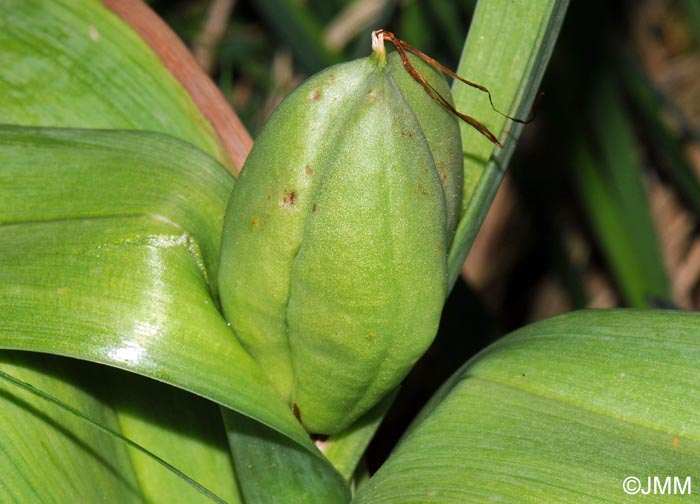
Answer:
(608, 179)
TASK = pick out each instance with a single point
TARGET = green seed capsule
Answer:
(440, 128)
(333, 269)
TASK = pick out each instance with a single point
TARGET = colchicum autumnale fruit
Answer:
(333, 270)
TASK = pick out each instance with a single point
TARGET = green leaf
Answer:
(43, 447)
(42, 417)
(50, 175)
(507, 51)
(559, 411)
(273, 468)
(692, 8)
(108, 246)
(650, 108)
(73, 63)
(615, 199)
(183, 429)
(259, 452)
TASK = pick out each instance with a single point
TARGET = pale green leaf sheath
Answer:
(333, 270)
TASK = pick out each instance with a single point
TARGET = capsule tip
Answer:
(378, 50)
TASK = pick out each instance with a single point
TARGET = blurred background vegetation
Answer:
(601, 204)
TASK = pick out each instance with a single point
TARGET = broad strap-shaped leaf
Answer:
(507, 51)
(73, 63)
(108, 244)
(259, 452)
(181, 428)
(51, 455)
(50, 174)
(117, 242)
(43, 448)
(560, 411)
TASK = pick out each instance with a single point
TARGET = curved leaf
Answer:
(107, 243)
(560, 411)
(178, 427)
(45, 471)
(49, 175)
(73, 63)
(53, 455)
(272, 468)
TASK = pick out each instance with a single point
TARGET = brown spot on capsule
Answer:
(313, 208)
(296, 412)
(254, 222)
(315, 95)
(309, 170)
(422, 190)
(370, 336)
(289, 200)
(676, 441)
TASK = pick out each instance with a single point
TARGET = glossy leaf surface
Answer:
(114, 236)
